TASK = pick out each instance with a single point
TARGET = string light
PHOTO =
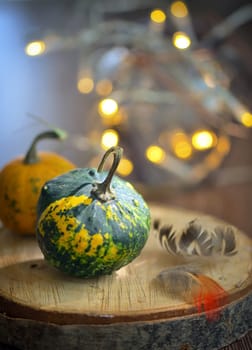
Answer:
(107, 107)
(104, 87)
(125, 167)
(85, 85)
(179, 9)
(181, 40)
(180, 144)
(155, 154)
(183, 150)
(203, 140)
(177, 136)
(35, 48)
(246, 119)
(158, 16)
(177, 143)
(110, 138)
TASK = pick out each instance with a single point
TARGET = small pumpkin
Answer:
(21, 181)
(90, 221)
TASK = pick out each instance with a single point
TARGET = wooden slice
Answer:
(42, 308)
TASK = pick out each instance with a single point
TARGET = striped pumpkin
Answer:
(91, 222)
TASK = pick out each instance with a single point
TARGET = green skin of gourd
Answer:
(85, 236)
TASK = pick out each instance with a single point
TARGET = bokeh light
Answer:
(107, 107)
(183, 150)
(125, 167)
(104, 87)
(181, 40)
(155, 154)
(158, 16)
(203, 140)
(179, 9)
(176, 136)
(109, 138)
(85, 85)
(35, 48)
(246, 119)
(180, 144)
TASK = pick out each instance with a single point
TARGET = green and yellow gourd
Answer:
(91, 222)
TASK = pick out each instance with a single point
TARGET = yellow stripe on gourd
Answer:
(96, 241)
(80, 241)
(60, 205)
(111, 253)
(66, 234)
(110, 215)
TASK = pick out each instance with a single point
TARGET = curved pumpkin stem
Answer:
(103, 190)
(32, 154)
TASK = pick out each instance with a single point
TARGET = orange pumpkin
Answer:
(21, 181)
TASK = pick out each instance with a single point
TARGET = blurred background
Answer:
(170, 81)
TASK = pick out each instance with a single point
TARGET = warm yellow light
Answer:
(35, 48)
(110, 138)
(181, 40)
(85, 85)
(125, 167)
(155, 154)
(180, 144)
(177, 136)
(223, 145)
(179, 9)
(107, 107)
(203, 139)
(104, 87)
(183, 149)
(158, 16)
(246, 119)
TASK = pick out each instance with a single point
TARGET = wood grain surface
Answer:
(33, 294)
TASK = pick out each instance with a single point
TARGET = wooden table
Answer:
(35, 297)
